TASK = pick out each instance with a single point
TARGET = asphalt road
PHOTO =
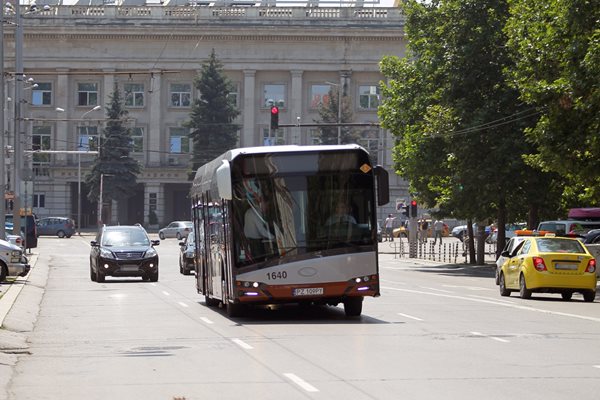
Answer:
(437, 332)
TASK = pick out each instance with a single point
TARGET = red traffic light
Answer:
(413, 203)
(274, 110)
(274, 117)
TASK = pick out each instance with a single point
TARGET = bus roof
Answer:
(205, 174)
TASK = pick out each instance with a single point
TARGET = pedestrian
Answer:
(388, 226)
(424, 227)
(438, 227)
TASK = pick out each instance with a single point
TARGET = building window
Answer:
(314, 136)
(41, 140)
(137, 140)
(42, 94)
(368, 97)
(39, 201)
(234, 95)
(179, 140)
(152, 202)
(319, 96)
(274, 138)
(87, 94)
(181, 94)
(274, 95)
(88, 139)
(134, 94)
(369, 139)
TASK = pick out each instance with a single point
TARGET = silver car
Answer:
(176, 229)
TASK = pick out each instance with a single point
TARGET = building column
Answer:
(154, 200)
(153, 136)
(248, 134)
(61, 99)
(109, 87)
(295, 133)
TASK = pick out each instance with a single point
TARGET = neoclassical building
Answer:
(74, 55)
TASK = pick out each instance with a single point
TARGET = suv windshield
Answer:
(125, 237)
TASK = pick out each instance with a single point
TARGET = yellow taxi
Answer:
(549, 264)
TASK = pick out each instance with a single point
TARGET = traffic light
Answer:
(413, 208)
(274, 117)
(406, 211)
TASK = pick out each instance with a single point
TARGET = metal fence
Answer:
(454, 252)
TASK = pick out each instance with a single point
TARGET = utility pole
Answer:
(2, 131)
(18, 154)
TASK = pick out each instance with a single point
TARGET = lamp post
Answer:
(79, 172)
(339, 118)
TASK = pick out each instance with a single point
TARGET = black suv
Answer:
(123, 250)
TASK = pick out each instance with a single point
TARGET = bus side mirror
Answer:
(224, 181)
(383, 185)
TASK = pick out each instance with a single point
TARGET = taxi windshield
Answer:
(557, 245)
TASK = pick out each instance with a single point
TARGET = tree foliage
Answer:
(211, 119)
(114, 161)
(556, 47)
(458, 121)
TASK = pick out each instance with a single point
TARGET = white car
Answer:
(510, 246)
(17, 240)
(12, 261)
(176, 229)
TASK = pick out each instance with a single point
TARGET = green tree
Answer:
(459, 123)
(329, 113)
(211, 119)
(556, 48)
(114, 161)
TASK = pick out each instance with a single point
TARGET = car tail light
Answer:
(591, 267)
(538, 263)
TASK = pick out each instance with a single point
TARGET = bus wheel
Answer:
(353, 306)
(210, 302)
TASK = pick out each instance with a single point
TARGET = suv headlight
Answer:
(16, 253)
(104, 253)
(151, 252)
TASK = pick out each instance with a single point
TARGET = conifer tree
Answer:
(114, 161)
(328, 113)
(211, 121)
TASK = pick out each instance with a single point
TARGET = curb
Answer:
(8, 298)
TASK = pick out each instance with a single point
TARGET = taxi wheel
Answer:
(566, 295)
(589, 296)
(523, 291)
(503, 290)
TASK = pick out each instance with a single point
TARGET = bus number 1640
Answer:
(272, 276)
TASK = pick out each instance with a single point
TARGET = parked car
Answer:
(549, 264)
(592, 237)
(187, 254)
(28, 229)
(176, 229)
(460, 231)
(123, 250)
(56, 226)
(12, 261)
(510, 230)
(17, 240)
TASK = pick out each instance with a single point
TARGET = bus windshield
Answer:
(292, 213)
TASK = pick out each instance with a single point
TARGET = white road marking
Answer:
(166, 293)
(473, 288)
(487, 298)
(437, 290)
(410, 316)
(498, 303)
(242, 344)
(597, 366)
(182, 304)
(490, 337)
(300, 382)
(208, 321)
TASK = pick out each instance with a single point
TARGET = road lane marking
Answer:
(242, 344)
(436, 290)
(410, 316)
(490, 337)
(473, 288)
(487, 298)
(494, 302)
(182, 304)
(597, 366)
(300, 382)
(166, 293)
(208, 321)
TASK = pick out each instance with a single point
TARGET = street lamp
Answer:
(96, 108)
(100, 198)
(339, 118)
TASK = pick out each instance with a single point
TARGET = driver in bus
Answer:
(256, 228)
(343, 214)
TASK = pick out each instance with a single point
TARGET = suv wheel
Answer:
(92, 274)
(100, 276)
(154, 277)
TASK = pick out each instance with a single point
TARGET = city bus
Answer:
(270, 228)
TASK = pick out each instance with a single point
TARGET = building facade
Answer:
(288, 56)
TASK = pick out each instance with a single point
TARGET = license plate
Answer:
(308, 291)
(567, 267)
(129, 268)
